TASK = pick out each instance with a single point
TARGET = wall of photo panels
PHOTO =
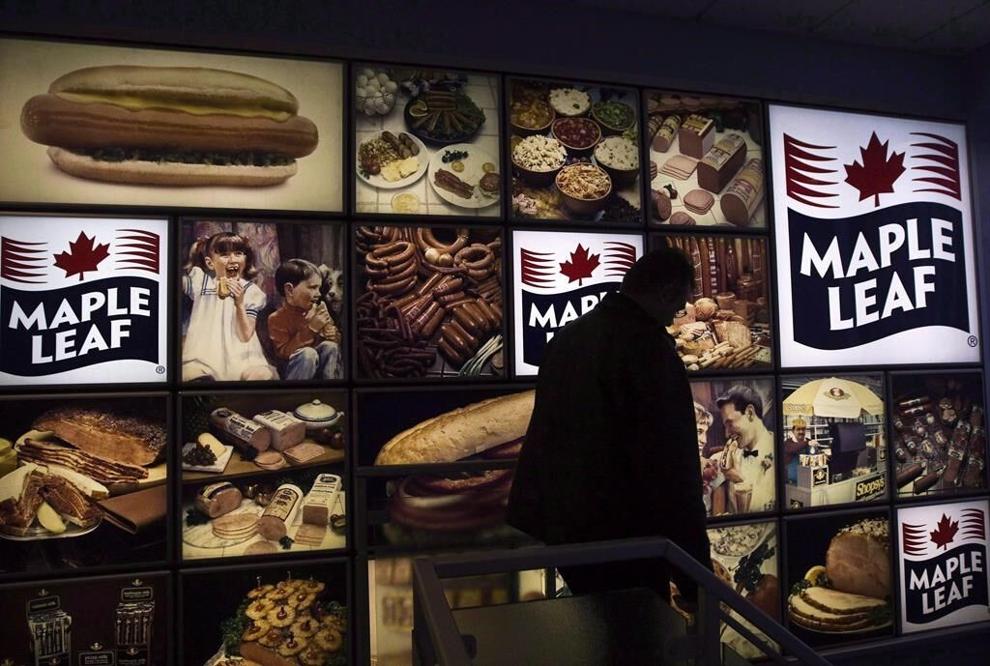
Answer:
(259, 348)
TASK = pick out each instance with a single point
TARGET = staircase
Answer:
(623, 627)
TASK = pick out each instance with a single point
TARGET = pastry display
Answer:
(431, 303)
(574, 151)
(727, 325)
(711, 145)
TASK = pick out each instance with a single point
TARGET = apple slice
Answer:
(49, 519)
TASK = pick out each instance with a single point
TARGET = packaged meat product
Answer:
(240, 429)
(286, 430)
(721, 162)
(696, 136)
(318, 504)
(743, 194)
(217, 499)
(665, 133)
(274, 522)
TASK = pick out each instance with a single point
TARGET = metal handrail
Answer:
(438, 641)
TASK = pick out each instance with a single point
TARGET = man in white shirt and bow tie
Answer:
(747, 460)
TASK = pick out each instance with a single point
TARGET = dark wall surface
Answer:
(541, 37)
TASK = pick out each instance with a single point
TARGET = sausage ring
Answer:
(475, 256)
(395, 253)
(426, 240)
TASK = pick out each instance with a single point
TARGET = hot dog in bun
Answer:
(170, 126)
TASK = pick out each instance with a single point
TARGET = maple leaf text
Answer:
(877, 174)
(83, 256)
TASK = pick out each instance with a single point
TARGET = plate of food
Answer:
(48, 502)
(443, 117)
(850, 592)
(390, 160)
(465, 176)
(290, 623)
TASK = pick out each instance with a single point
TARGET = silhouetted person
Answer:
(612, 451)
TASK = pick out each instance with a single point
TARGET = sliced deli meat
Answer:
(108, 472)
(129, 439)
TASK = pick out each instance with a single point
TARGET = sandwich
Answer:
(488, 430)
(461, 433)
(180, 126)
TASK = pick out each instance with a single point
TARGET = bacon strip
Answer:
(99, 469)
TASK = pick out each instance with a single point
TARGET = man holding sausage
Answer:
(612, 448)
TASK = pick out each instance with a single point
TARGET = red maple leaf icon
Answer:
(82, 256)
(944, 532)
(877, 174)
(581, 265)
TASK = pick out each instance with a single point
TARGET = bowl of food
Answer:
(537, 159)
(531, 116)
(569, 102)
(614, 117)
(578, 135)
(584, 187)
(619, 157)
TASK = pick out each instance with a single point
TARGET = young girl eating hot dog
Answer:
(220, 342)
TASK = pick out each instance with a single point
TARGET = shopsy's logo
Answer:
(944, 562)
(562, 281)
(72, 300)
(898, 265)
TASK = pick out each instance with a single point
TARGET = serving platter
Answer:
(433, 139)
(38, 533)
(472, 173)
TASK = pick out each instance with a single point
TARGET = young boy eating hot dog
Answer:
(302, 331)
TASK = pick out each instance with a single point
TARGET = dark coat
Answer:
(612, 449)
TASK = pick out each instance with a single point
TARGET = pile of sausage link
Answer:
(423, 296)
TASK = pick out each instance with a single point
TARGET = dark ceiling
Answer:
(936, 26)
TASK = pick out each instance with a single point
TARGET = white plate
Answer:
(11, 485)
(378, 182)
(217, 467)
(471, 175)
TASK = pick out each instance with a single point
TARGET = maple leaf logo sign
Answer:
(878, 173)
(83, 256)
(580, 266)
(945, 532)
